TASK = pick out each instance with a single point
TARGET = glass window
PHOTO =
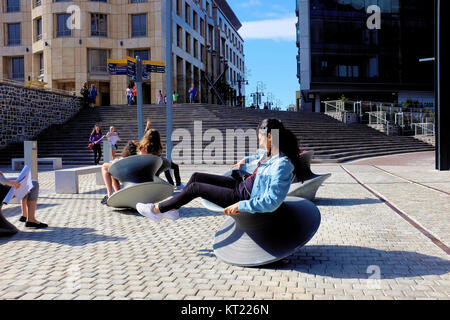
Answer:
(38, 29)
(17, 69)
(138, 1)
(138, 25)
(14, 34)
(37, 3)
(99, 0)
(61, 29)
(99, 25)
(143, 54)
(12, 5)
(98, 60)
(63, 0)
(41, 63)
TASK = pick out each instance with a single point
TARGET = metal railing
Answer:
(380, 117)
(424, 129)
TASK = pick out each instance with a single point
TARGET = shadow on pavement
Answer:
(17, 210)
(352, 262)
(74, 237)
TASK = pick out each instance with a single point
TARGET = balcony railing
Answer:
(37, 3)
(39, 37)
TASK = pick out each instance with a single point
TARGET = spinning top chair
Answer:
(308, 188)
(139, 176)
(261, 238)
(312, 183)
(6, 228)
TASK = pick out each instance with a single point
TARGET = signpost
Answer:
(138, 70)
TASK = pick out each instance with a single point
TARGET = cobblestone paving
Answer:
(91, 251)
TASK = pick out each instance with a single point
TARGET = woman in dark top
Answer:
(85, 93)
(263, 191)
(95, 139)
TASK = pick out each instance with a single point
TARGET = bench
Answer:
(66, 180)
(57, 162)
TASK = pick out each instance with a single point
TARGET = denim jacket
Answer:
(271, 185)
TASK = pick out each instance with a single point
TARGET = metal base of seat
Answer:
(262, 238)
(6, 228)
(150, 192)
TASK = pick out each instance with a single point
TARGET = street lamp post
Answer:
(169, 122)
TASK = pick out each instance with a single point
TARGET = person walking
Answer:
(192, 93)
(134, 91)
(28, 203)
(159, 98)
(113, 137)
(95, 139)
(85, 94)
(175, 97)
(129, 93)
(93, 95)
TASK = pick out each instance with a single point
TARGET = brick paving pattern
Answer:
(91, 251)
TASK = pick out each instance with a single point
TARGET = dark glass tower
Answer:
(341, 54)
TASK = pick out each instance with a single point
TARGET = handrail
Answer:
(380, 116)
(424, 127)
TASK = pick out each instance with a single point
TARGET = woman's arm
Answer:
(8, 182)
(277, 191)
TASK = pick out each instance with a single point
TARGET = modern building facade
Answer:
(67, 43)
(346, 48)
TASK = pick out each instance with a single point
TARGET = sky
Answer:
(268, 29)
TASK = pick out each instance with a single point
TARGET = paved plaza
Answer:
(379, 221)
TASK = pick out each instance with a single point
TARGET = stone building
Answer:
(66, 43)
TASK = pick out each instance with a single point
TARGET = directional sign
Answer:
(117, 66)
(154, 66)
(131, 62)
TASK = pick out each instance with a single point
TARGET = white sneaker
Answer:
(147, 211)
(180, 187)
(172, 215)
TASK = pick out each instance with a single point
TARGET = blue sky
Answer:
(270, 49)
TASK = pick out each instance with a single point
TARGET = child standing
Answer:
(113, 137)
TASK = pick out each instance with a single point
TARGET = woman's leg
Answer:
(24, 207)
(221, 196)
(168, 177)
(107, 178)
(176, 173)
(213, 179)
(31, 201)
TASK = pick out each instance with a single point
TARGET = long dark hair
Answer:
(288, 144)
(151, 142)
(93, 130)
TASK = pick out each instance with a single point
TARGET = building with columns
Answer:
(67, 43)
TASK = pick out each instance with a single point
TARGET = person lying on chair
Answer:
(263, 191)
(150, 144)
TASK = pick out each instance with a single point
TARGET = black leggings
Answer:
(97, 148)
(176, 173)
(220, 190)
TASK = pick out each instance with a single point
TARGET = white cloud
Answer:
(274, 29)
(250, 3)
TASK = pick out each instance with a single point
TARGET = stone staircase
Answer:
(331, 140)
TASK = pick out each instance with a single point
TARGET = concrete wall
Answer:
(25, 112)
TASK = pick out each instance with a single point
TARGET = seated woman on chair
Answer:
(150, 144)
(29, 202)
(263, 191)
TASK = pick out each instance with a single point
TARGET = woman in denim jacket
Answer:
(263, 191)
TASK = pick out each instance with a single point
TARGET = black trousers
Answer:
(97, 148)
(220, 190)
(176, 173)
